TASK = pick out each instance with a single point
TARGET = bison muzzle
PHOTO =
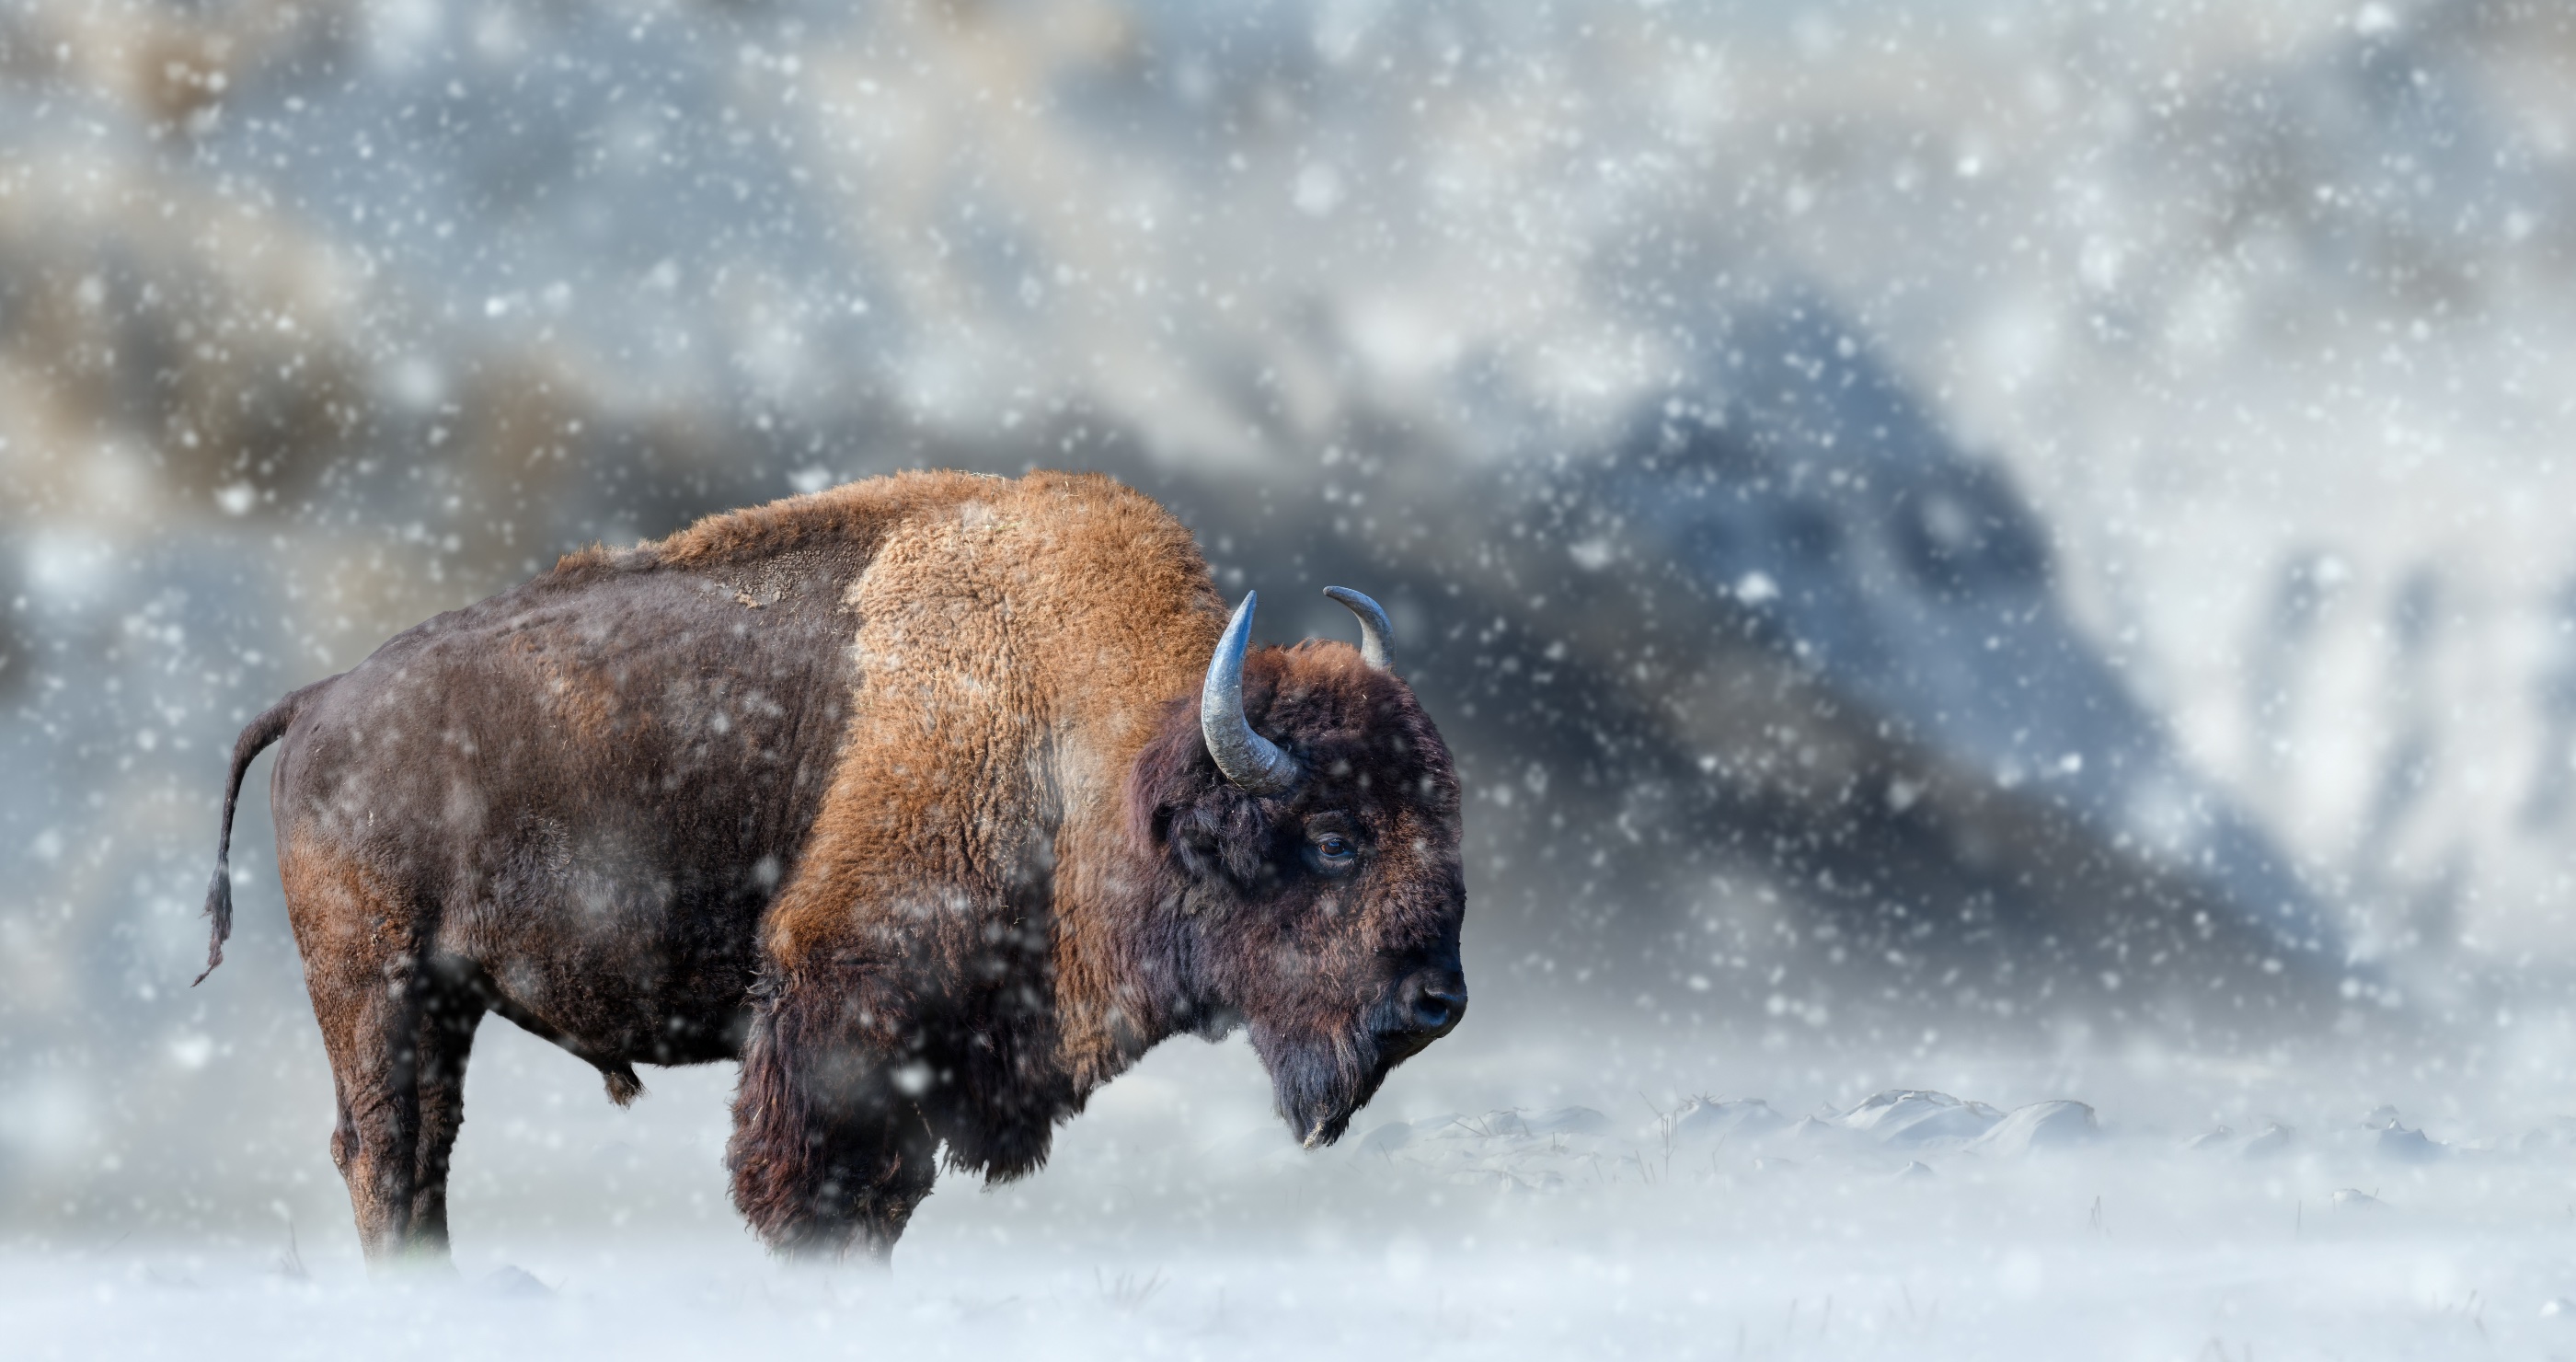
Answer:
(936, 800)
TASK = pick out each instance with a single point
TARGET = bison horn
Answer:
(1253, 762)
(1374, 626)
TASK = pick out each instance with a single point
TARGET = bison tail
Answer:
(265, 729)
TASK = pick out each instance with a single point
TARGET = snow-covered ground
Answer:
(1911, 1282)
(1177, 1221)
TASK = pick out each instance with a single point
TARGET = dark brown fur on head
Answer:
(1309, 956)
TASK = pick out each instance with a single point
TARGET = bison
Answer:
(936, 800)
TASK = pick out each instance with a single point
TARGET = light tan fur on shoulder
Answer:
(1016, 643)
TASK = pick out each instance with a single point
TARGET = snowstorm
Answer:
(1995, 578)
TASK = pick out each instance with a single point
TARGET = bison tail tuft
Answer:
(265, 729)
(219, 906)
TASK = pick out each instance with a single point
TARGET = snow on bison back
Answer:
(936, 799)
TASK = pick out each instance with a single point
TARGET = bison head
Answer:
(1305, 833)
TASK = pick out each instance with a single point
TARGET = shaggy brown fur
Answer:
(894, 791)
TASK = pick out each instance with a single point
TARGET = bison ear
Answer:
(1202, 868)
(1194, 846)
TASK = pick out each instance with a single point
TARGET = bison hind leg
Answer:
(371, 1034)
(448, 1019)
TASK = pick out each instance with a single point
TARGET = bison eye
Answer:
(1332, 852)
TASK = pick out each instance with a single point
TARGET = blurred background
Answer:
(2001, 527)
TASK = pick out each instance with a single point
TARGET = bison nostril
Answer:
(1435, 1001)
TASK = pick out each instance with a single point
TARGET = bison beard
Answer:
(1321, 1081)
(936, 800)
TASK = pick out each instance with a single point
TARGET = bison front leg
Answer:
(829, 1154)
